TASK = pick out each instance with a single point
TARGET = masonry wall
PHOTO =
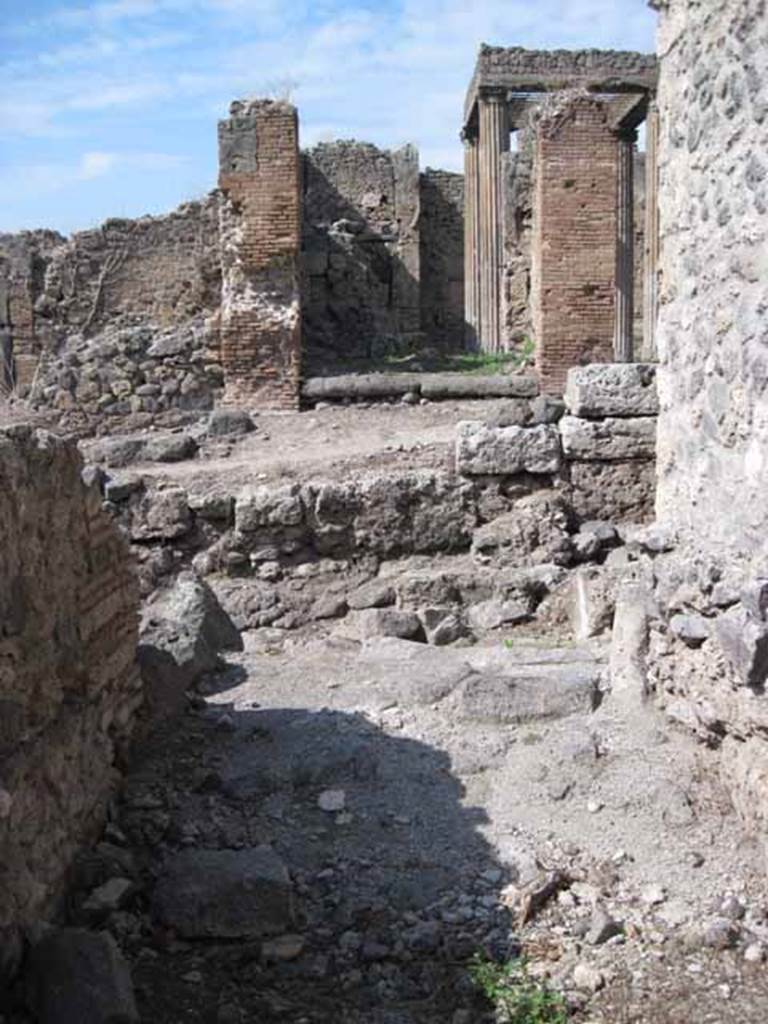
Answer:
(69, 686)
(361, 252)
(441, 241)
(117, 324)
(709, 654)
(574, 240)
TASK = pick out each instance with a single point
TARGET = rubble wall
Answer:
(69, 685)
(709, 648)
(115, 323)
(360, 255)
(441, 238)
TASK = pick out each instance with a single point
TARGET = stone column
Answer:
(625, 278)
(494, 140)
(651, 247)
(471, 254)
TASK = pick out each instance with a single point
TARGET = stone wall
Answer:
(574, 238)
(117, 322)
(23, 259)
(69, 686)
(360, 250)
(441, 241)
(708, 657)
(259, 175)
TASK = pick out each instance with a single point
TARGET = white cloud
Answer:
(95, 165)
(387, 72)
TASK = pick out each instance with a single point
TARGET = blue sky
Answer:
(109, 107)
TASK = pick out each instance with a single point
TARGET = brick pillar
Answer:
(574, 240)
(625, 256)
(494, 140)
(471, 254)
(651, 252)
(259, 175)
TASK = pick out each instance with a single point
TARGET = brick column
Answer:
(494, 140)
(471, 254)
(651, 251)
(625, 283)
(573, 251)
(259, 175)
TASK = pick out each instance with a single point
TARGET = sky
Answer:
(108, 108)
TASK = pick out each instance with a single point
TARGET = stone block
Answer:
(375, 622)
(612, 389)
(608, 440)
(529, 696)
(225, 894)
(619, 491)
(504, 451)
(744, 643)
(533, 532)
(461, 385)
(78, 975)
(269, 507)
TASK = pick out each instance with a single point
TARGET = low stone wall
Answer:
(599, 444)
(69, 685)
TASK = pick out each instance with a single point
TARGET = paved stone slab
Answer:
(612, 389)
(226, 894)
(504, 451)
(528, 696)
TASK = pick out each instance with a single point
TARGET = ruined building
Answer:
(494, 622)
(550, 229)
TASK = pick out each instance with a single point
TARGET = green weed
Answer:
(515, 995)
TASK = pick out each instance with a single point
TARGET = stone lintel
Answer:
(521, 70)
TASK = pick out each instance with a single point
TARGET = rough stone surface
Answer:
(78, 975)
(184, 629)
(612, 389)
(225, 894)
(482, 450)
(620, 491)
(69, 685)
(533, 532)
(608, 440)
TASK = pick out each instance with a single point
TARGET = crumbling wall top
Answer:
(520, 70)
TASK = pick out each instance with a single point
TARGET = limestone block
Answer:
(629, 643)
(268, 507)
(612, 389)
(503, 451)
(227, 894)
(608, 440)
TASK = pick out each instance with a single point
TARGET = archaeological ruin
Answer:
(383, 584)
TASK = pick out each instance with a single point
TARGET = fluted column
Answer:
(494, 140)
(625, 264)
(651, 253)
(471, 253)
